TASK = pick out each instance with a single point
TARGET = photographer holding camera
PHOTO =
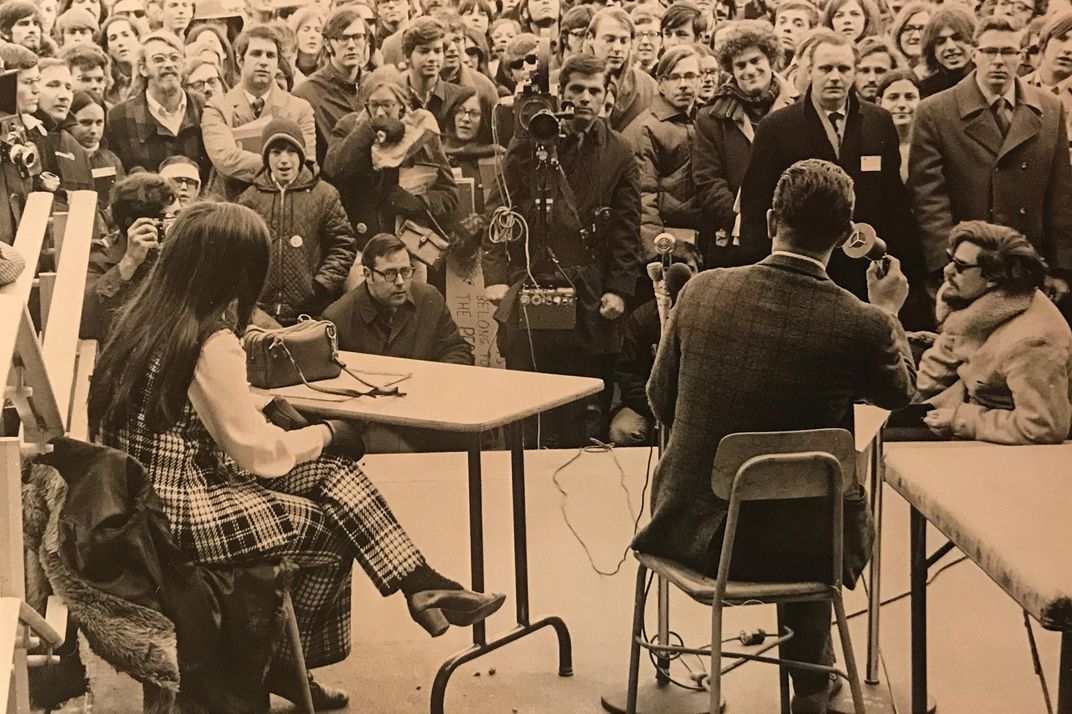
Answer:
(589, 242)
(117, 265)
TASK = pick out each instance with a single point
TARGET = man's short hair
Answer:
(995, 23)
(12, 11)
(140, 195)
(85, 56)
(684, 13)
(814, 200)
(451, 20)
(878, 44)
(672, 57)
(611, 13)
(807, 7)
(17, 56)
(582, 64)
(1059, 25)
(46, 63)
(1005, 256)
(952, 16)
(826, 36)
(259, 32)
(733, 38)
(422, 31)
(380, 246)
(76, 19)
(645, 12)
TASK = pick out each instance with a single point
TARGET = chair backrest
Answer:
(803, 476)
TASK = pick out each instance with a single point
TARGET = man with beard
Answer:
(423, 45)
(999, 371)
(257, 98)
(661, 138)
(994, 149)
(610, 37)
(831, 123)
(792, 20)
(332, 89)
(877, 57)
(20, 24)
(163, 119)
(590, 244)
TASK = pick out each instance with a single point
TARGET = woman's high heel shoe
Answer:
(435, 610)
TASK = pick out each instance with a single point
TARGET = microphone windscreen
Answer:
(655, 272)
(676, 276)
(864, 243)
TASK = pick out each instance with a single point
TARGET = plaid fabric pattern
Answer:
(138, 139)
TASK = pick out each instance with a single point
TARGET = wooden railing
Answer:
(47, 380)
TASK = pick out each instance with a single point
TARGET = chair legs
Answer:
(299, 657)
(783, 671)
(634, 644)
(714, 682)
(846, 648)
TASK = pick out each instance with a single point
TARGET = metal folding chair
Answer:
(761, 466)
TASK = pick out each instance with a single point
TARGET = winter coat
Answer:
(332, 97)
(635, 92)
(1004, 364)
(312, 242)
(366, 193)
(661, 137)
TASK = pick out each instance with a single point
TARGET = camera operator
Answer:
(591, 242)
(116, 265)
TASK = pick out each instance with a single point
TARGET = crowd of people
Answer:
(348, 127)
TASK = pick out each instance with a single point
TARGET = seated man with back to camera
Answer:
(1000, 368)
(391, 314)
(797, 357)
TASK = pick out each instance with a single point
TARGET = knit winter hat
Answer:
(281, 129)
(11, 264)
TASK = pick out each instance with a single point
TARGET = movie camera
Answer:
(16, 147)
(537, 111)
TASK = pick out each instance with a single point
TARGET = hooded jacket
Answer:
(312, 243)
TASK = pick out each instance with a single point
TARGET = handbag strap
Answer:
(342, 391)
(377, 391)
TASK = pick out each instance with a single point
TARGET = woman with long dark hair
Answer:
(170, 390)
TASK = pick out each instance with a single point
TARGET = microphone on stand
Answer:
(664, 245)
(657, 276)
(865, 243)
(676, 276)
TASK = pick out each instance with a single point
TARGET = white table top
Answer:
(1006, 507)
(442, 396)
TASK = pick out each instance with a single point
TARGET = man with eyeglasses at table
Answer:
(994, 149)
(332, 89)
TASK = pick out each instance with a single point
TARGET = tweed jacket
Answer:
(768, 347)
(1004, 364)
(961, 169)
(233, 168)
(140, 141)
(870, 154)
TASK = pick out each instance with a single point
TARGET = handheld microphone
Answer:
(655, 272)
(676, 277)
(864, 242)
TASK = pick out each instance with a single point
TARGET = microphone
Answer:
(664, 243)
(864, 242)
(655, 272)
(676, 277)
(662, 301)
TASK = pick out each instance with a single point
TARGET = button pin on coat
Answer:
(296, 241)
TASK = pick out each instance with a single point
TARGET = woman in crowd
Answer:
(240, 479)
(947, 48)
(121, 38)
(898, 93)
(86, 124)
(856, 19)
(308, 26)
(204, 76)
(476, 51)
(210, 40)
(748, 52)
(907, 33)
(467, 140)
(478, 14)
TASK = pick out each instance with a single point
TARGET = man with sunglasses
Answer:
(999, 370)
(995, 149)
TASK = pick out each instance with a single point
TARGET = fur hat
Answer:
(281, 129)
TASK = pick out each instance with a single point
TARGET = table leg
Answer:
(476, 530)
(874, 592)
(1064, 682)
(516, 445)
(918, 546)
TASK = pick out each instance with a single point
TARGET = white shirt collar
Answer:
(989, 97)
(251, 97)
(798, 256)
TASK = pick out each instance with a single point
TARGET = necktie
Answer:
(1002, 115)
(835, 121)
(258, 106)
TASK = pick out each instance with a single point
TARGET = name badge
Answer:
(870, 163)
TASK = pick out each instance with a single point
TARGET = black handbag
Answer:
(303, 353)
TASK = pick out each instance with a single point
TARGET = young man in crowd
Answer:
(539, 15)
(161, 120)
(610, 38)
(233, 122)
(683, 24)
(1054, 73)
(76, 26)
(20, 24)
(877, 57)
(391, 16)
(89, 67)
(792, 20)
(649, 40)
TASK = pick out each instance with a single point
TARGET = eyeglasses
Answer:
(687, 77)
(912, 29)
(959, 266)
(140, 14)
(648, 35)
(708, 72)
(521, 61)
(166, 59)
(200, 84)
(1003, 52)
(576, 34)
(358, 39)
(187, 181)
(392, 275)
(470, 113)
(388, 106)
